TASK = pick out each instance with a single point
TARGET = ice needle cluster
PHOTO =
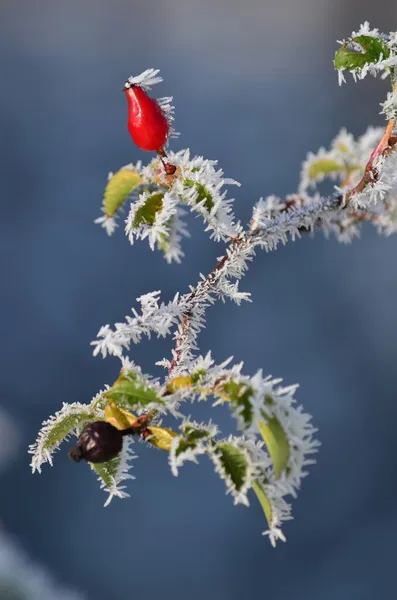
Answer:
(274, 440)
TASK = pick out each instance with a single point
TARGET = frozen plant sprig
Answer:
(275, 440)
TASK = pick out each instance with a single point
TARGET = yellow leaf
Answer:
(179, 383)
(119, 188)
(323, 167)
(276, 442)
(265, 502)
(161, 437)
(118, 417)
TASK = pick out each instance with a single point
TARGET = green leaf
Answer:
(198, 375)
(234, 463)
(119, 188)
(184, 450)
(264, 501)
(342, 148)
(163, 241)
(107, 471)
(203, 194)
(63, 427)
(323, 167)
(183, 446)
(276, 442)
(56, 429)
(146, 214)
(350, 56)
(195, 441)
(194, 435)
(129, 390)
(240, 394)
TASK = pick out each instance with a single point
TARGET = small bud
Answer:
(99, 442)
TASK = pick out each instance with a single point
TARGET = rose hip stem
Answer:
(169, 169)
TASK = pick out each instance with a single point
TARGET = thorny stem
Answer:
(168, 168)
(370, 174)
(384, 147)
(210, 283)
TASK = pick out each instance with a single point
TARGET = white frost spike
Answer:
(154, 318)
(389, 107)
(382, 191)
(108, 223)
(231, 291)
(281, 511)
(145, 80)
(176, 230)
(168, 109)
(365, 29)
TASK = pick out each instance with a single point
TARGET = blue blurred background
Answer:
(254, 87)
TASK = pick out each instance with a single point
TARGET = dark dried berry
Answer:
(99, 442)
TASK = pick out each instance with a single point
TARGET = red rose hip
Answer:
(147, 124)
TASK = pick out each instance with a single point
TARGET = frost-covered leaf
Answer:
(276, 442)
(179, 383)
(118, 417)
(234, 465)
(107, 471)
(56, 429)
(191, 444)
(323, 167)
(113, 472)
(119, 187)
(156, 216)
(146, 214)
(276, 509)
(239, 394)
(264, 501)
(161, 437)
(134, 392)
(183, 450)
(170, 241)
(203, 194)
(198, 375)
(359, 51)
